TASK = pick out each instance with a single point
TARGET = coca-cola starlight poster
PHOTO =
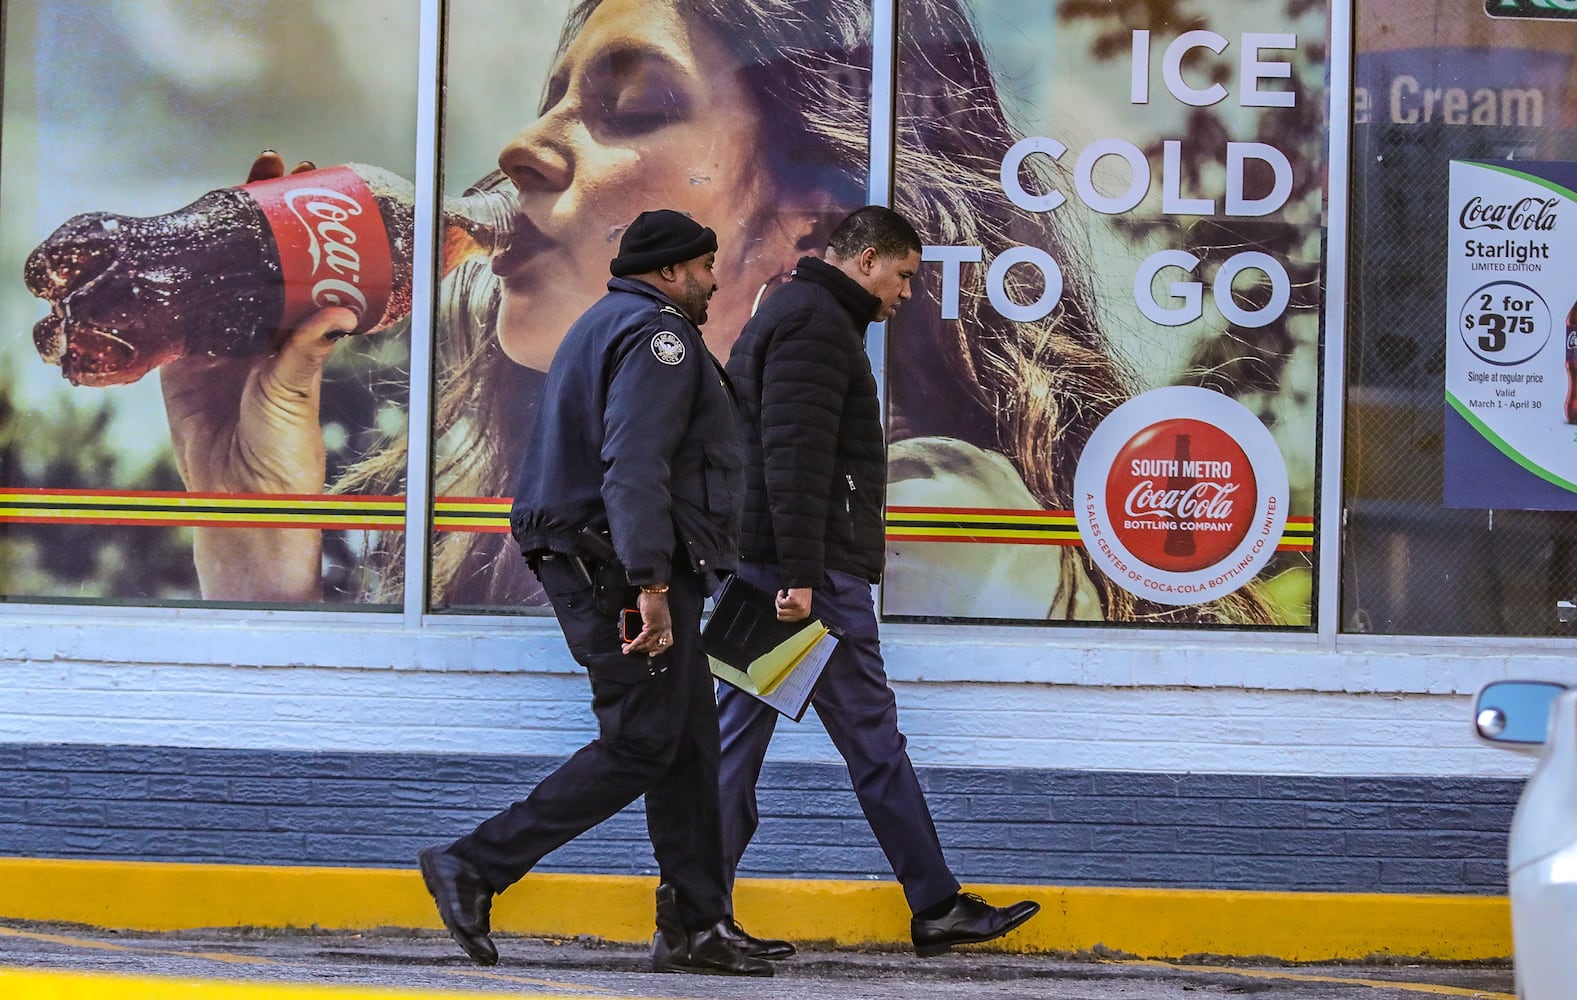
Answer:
(144, 459)
(1511, 336)
(1103, 405)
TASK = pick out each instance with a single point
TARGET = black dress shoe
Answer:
(464, 902)
(670, 931)
(670, 936)
(970, 921)
(773, 949)
(712, 952)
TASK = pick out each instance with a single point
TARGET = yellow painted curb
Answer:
(1149, 923)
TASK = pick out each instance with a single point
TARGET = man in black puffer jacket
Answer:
(813, 534)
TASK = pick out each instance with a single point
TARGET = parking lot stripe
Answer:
(563, 990)
(570, 988)
(32, 984)
(1305, 977)
(64, 939)
(76, 942)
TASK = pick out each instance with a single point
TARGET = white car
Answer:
(1541, 718)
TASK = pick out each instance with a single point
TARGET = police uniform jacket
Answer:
(636, 438)
(816, 472)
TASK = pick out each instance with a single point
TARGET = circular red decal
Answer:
(1181, 495)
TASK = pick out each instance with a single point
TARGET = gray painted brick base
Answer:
(1216, 831)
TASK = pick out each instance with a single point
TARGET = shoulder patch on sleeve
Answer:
(667, 347)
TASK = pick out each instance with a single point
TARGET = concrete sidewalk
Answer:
(52, 962)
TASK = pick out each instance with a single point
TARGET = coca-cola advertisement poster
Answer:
(1511, 337)
(174, 430)
(1103, 407)
(1115, 198)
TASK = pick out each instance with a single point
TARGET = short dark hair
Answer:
(874, 226)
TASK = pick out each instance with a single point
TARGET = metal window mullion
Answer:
(423, 320)
(884, 74)
(879, 182)
(1334, 375)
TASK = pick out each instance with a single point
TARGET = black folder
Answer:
(778, 662)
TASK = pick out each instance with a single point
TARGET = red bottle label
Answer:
(1161, 489)
(333, 248)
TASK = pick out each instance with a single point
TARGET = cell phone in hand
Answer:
(630, 624)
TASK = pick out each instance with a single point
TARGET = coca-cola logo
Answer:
(1525, 214)
(1185, 491)
(331, 245)
(1181, 495)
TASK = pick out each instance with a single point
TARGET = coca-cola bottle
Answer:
(227, 273)
(1571, 365)
(1179, 540)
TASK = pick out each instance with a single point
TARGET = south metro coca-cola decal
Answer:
(333, 247)
(1181, 495)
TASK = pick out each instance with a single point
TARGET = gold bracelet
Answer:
(654, 588)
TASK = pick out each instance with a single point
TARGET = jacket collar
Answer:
(860, 304)
(642, 288)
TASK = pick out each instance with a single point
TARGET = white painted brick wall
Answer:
(967, 696)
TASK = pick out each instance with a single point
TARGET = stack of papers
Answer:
(779, 663)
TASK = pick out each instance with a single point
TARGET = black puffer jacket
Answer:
(816, 472)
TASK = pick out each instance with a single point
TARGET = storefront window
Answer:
(1460, 458)
(755, 124)
(183, 458)
(1103, 403)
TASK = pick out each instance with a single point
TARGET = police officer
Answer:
(628, 497)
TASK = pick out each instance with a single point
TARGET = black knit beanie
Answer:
(657, 239)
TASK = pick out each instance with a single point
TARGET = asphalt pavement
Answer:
(46, 962)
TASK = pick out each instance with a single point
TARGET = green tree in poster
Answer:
(67, 448)
(1237, 361)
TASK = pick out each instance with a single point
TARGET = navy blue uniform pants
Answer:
(656, 736)
(858, 710)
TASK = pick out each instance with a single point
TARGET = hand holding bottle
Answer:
(251, 425)
(231, 273)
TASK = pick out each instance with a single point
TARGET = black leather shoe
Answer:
(464, 903)
(970, 921)
(670, 931)
(670, 937)
(712, 952)
(773, 949)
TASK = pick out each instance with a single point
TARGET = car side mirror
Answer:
(1515, 712)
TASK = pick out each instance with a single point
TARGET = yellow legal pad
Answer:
(779, 663)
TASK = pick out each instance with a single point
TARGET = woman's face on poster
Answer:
(643, 111)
